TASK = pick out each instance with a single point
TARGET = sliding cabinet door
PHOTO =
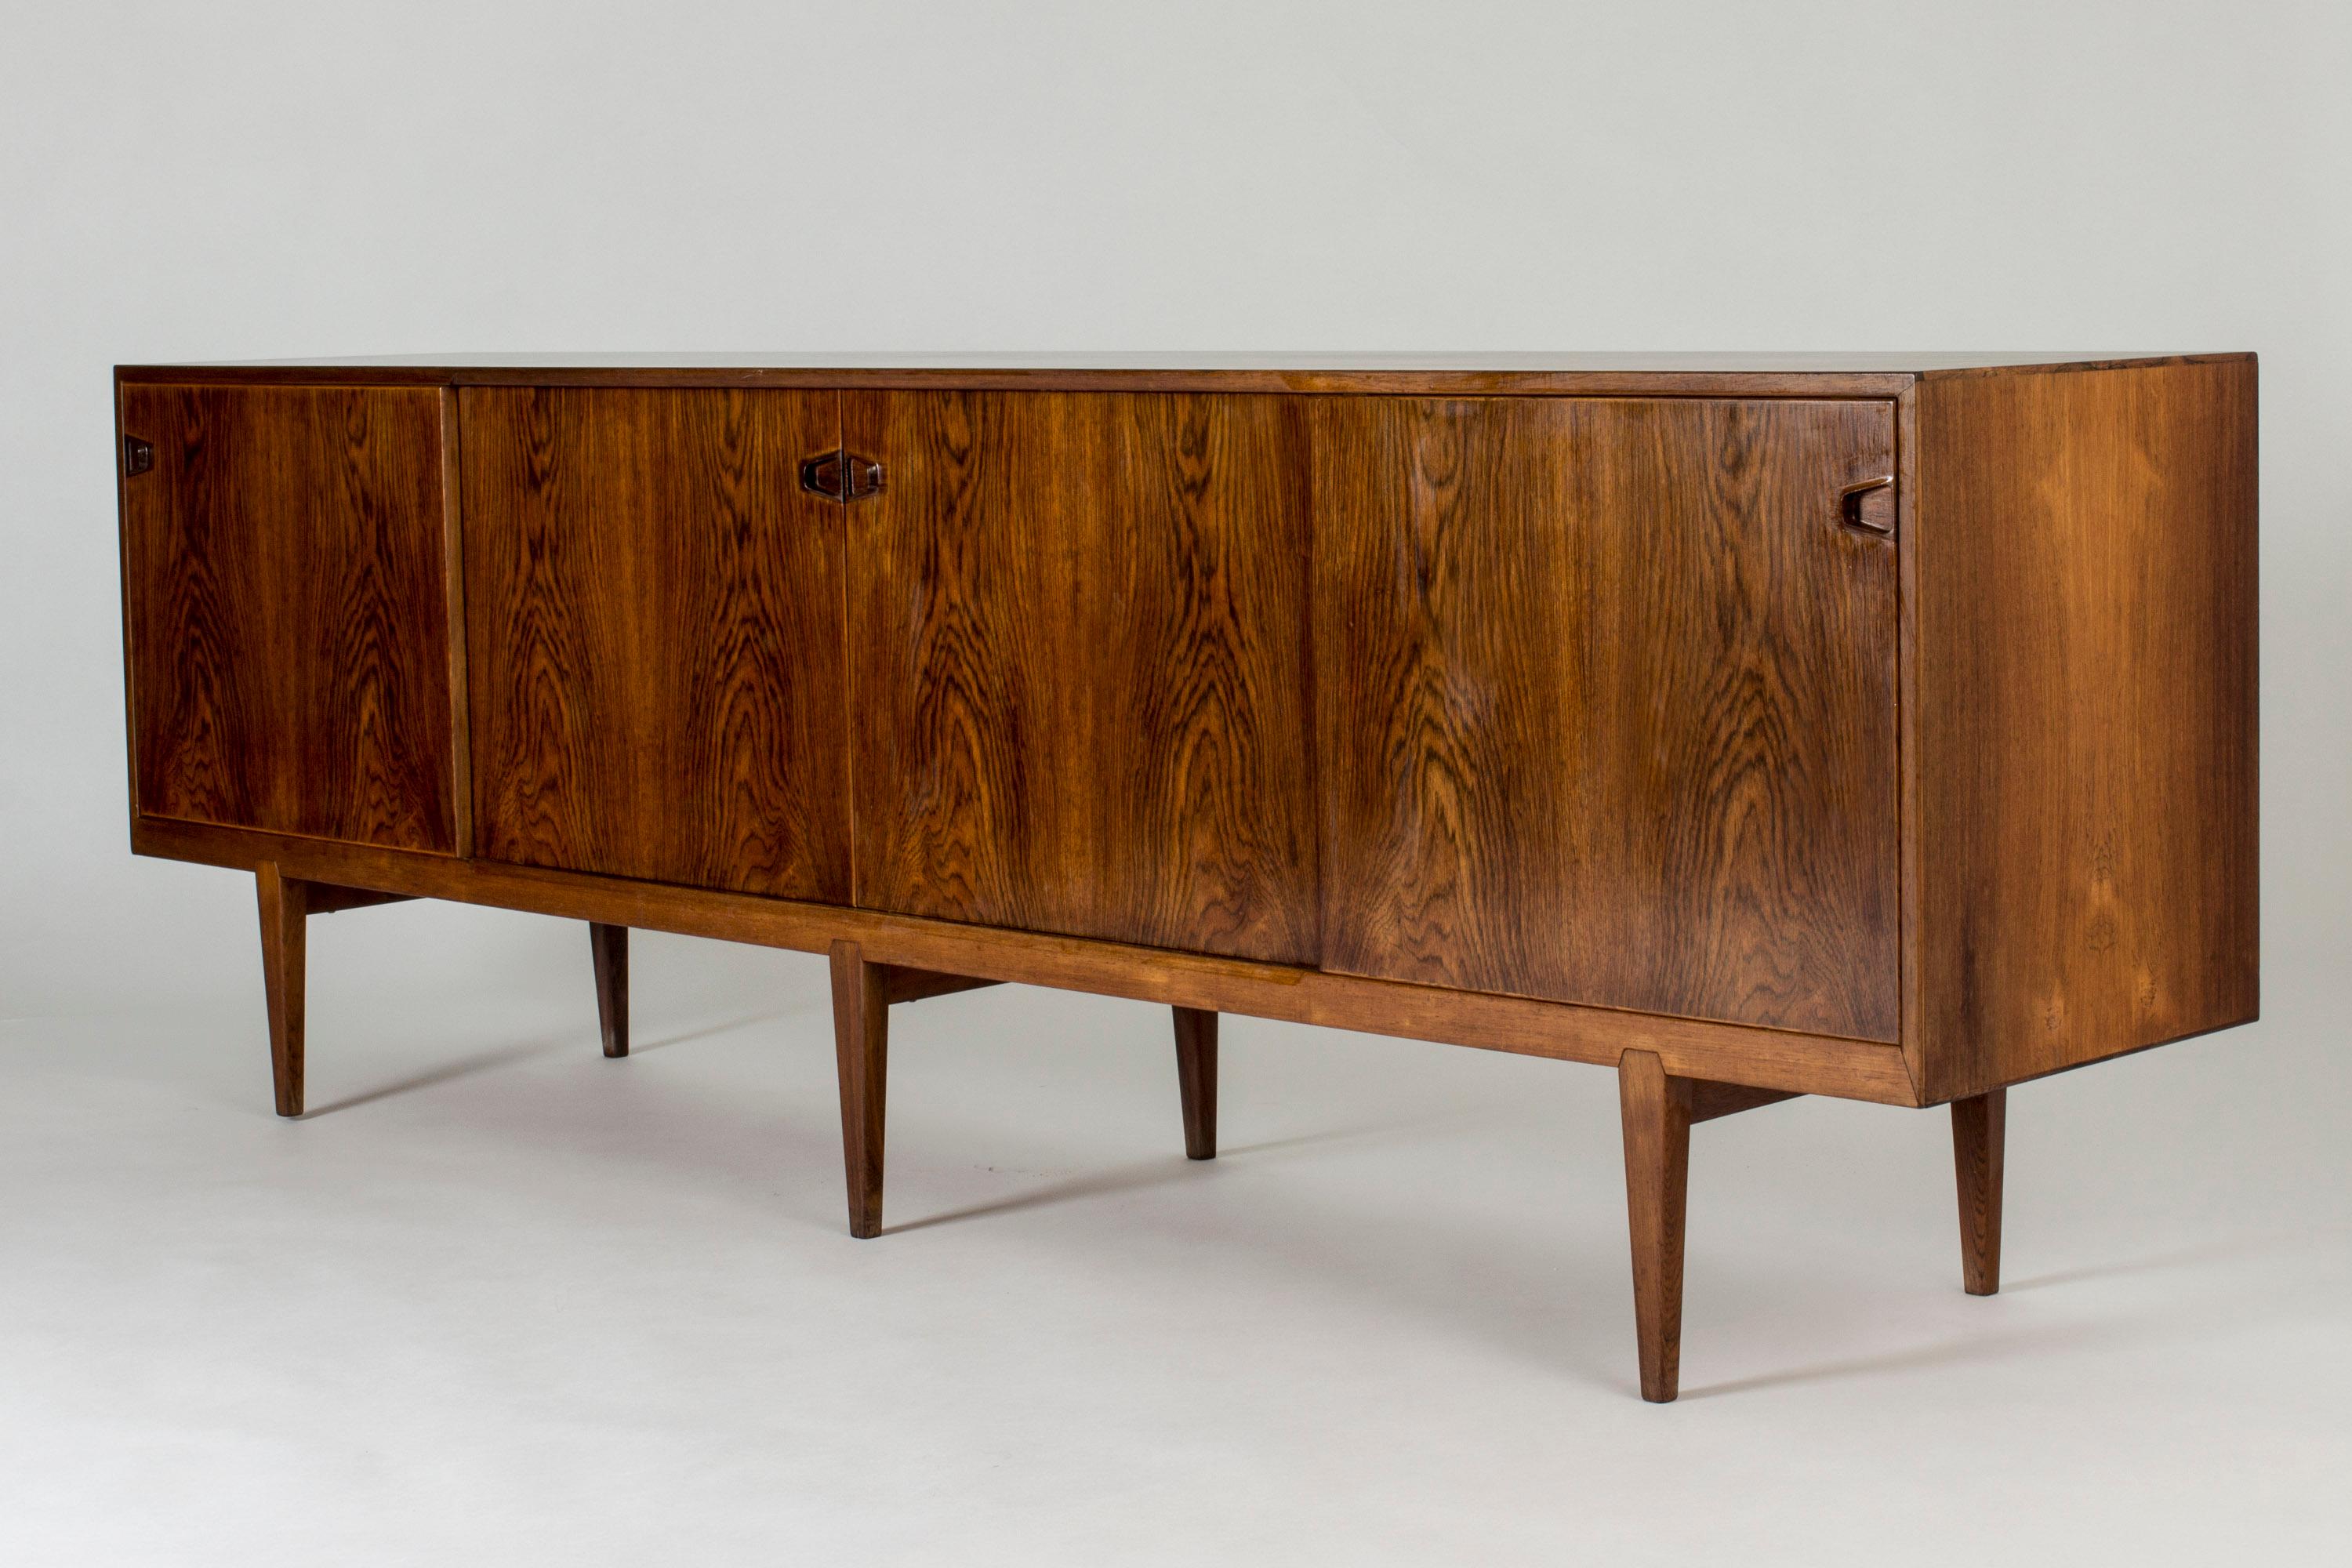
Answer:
(1078, 666)
(286, 581)
(654, 609)
(1605, 703)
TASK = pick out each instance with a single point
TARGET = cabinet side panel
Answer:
(2084, 626)
(289, 619)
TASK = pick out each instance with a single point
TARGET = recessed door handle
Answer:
(1869, 505)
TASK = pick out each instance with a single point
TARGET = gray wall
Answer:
(230, 180)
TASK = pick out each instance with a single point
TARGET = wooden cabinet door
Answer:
(285, 560)
(654, 613)
(1078, 666)
(1605, 703)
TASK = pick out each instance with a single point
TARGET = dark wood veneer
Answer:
(2086, 842)
(1777, 1058)
(1078, 666)
(1196, 1080)
(285, 908)
(608, 950)
(1606, 704)
(861, 1044)
(655, 637)
(287, 612)
(1880, 727)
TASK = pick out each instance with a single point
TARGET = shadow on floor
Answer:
(709, 1031)
(2181, 1257)
(1149, 1173)
(2011, 1342)
(1997, 1346)
(466, 1068)
(498, 1058)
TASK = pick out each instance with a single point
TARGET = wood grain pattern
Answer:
(656, 636)
(1616, 743)
(288, 629)
(608, 952)
(453, 601)
(1606, 704)
(861, 1043)
(2084, 829)
(1079, 666)
(1659, 1108)
(1772, 1058)
(1980, 1145)
(1655, 1109)
(1196, 1079)
(285, 968)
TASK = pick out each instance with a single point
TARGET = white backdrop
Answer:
(230, 180)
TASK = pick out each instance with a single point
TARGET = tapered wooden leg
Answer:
(1657, 1177)
(609, 945)
(1980, 1129)
(861, 1047)
(1196, 1079)
(285, 915)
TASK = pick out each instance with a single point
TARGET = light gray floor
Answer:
(500, 1300)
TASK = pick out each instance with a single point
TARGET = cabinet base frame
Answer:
(1690, 1047)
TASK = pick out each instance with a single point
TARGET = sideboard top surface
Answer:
(1817, 375)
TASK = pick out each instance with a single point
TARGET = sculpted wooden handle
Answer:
(1869, 505)
(821, 475)
(841, 476)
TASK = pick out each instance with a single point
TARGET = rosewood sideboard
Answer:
(1881, 727)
